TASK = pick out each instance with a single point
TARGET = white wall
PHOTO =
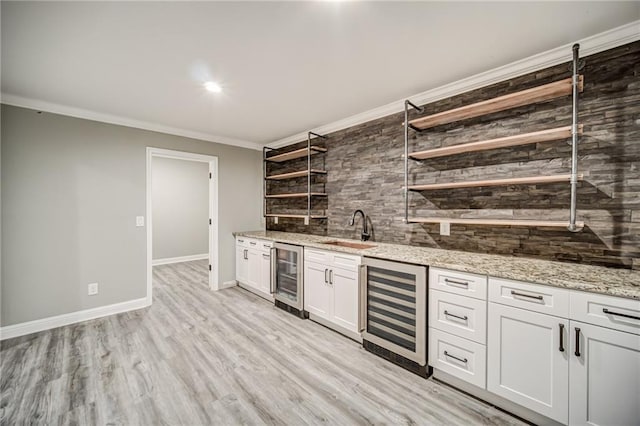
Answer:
(180, 199)
(71, 189)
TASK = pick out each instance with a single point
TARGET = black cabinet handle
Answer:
(455, 357)
(577, 353)
(530, 296)
(464, 318)
(561, 337)
(618, 314)
(464, 283)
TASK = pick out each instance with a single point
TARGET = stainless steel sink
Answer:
(348, 244)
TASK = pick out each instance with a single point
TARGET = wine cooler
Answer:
(286, 277)
(395, 312)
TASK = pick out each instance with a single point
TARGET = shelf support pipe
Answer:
(574, 142)
(407, 104)
(309, 134)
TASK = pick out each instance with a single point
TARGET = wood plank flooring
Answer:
(200, 357)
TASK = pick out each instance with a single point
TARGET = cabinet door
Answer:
(345, 298)
(526, 363)
(241, 264)
(254, 268)
(317, 291)
(264, 284)
(605, 377)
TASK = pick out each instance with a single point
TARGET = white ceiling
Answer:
(285, 67)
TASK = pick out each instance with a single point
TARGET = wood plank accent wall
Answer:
(364, 165)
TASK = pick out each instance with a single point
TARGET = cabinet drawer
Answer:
(458, 315)
(263, 245)
(608, 311)
(533, 297)
(319, 256)
(459, 357)
(242, 241)
(253, 243)
(346, 261)
(462, 283)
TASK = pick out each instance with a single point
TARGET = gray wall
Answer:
(180, 200)
(365, 170)
(71, 190)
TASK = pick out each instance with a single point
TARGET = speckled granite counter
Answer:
(596, 279)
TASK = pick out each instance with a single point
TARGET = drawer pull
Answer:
(577, 352)
(462, 283)
(266, 256)
(464, 318)
(253, 243)
(242, 241)
(530, 296)
(606, 311)
(455, 357)
(561, 349)
(266, 246)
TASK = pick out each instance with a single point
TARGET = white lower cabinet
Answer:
(253, 265)
(527, 359)
(459, 357)
(332, 290)
(604, 372)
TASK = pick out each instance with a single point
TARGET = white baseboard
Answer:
(228, 284)
(168, 260)
(35, 326)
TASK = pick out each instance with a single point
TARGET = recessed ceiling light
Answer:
(212, 86)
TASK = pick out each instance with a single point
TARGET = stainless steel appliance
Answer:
(395, 312)
(286, 277)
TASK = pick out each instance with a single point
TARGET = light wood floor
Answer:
(202, 357)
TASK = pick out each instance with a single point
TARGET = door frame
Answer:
(214, 255)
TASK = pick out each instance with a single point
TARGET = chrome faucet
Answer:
(364, 236)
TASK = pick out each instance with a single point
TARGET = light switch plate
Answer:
(445, 228)
(139, 220)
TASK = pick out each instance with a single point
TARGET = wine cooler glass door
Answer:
(288, 275)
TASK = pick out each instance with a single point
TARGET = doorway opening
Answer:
(187, 224)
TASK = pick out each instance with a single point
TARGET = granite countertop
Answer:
(596, 279)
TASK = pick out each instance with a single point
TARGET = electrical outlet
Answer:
(139, 220)
(92, 289)
(445, 228)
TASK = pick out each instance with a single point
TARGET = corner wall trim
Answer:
(588, 46)
(40, 105)
(22, 329)
(179, 259)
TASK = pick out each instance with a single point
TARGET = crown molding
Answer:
(588, 46)
(40, 105)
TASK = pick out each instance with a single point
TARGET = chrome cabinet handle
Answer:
(619, 314)
(464, 318)
(242, 241)
(246, 254)
(577, 352)
(362, 318)
(253, 243)
(266, 246)
(326, 281)
(530, 296)
(463, 283)
(331, 276)
(272, 283)
(561, 349)
(455, 357)
(265, 255)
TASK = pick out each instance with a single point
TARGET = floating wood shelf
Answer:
(295, 216)
(494, 182)
(299, 153)
(496, 222)
(513, 100)
(297, 195)
(508, 141)
(296, 174)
